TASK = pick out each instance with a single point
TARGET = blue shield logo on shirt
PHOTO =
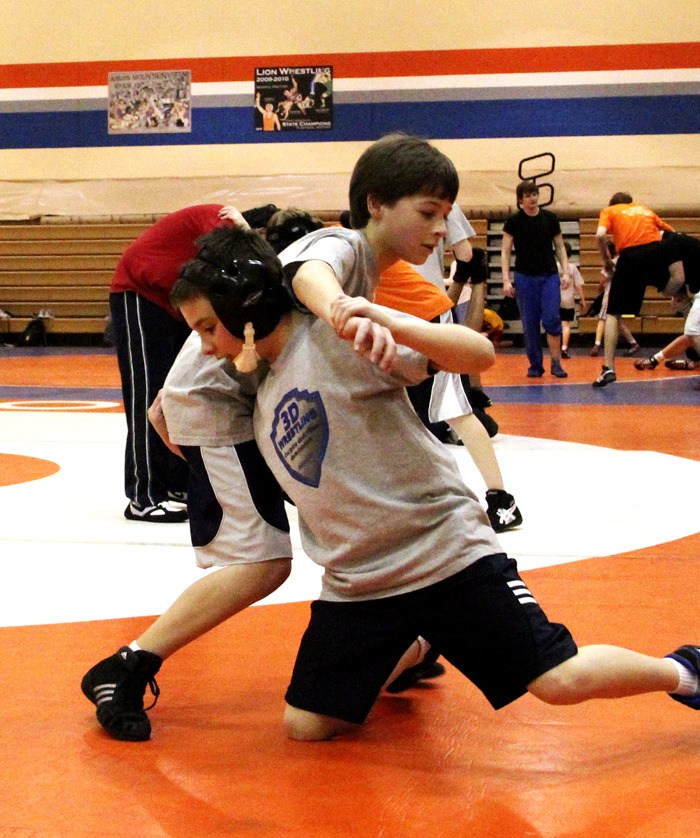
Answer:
(300, 435)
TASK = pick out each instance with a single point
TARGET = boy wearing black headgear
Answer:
(286, 226)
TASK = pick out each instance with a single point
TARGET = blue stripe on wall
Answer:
(360, 122)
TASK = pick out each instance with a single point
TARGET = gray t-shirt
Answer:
(382, 505)
(458, 229)
(203, 405)
(346, 251)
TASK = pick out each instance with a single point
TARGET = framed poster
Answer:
(150, 102)
(293, 98)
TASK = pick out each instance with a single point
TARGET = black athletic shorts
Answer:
(567, 315)
(483, 620)
(637, 267)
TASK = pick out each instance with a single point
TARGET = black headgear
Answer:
(248, 291)
(282, 235)
(259, 217)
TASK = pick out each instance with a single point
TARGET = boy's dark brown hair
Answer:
(398, 166)
(526, 187)
(620, 198)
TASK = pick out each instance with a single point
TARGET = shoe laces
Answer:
(133, 688)
(155, 692)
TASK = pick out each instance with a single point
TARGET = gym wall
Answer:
(612, 94)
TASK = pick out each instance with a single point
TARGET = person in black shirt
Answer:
(536, 235)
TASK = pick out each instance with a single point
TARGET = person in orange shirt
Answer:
(402, 288)
(643, 260)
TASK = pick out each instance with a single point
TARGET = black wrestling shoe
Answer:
(177, 499)
(646, 364)
(428, 668)
(558, 371)
(606, 377)
(116, 686)
(502, 512)
(160, 513)
(477, 398)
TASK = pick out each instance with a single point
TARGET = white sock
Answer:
(134, 646)
(423, 649)
(688, 682)
(659, 356)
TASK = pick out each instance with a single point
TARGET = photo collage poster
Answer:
(150, 102)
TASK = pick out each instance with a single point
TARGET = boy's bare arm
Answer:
(316, 287)
(449, 346)
(157, 418)
(464, 252)
(561, 253)
(506, 250)
(602, 241)
(477, 304)
(232, 214)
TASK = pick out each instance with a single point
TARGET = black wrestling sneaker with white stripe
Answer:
(501, 509)
(606, 377)
(177, 499)
(116, 686)
(166, 512)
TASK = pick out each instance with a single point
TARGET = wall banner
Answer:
(157, 102)
(293, 98)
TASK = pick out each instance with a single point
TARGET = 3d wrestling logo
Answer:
(300, 435)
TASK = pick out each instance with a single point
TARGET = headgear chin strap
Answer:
(248, 359)
(248, 291)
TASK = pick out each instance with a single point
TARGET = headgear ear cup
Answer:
(249, 292)
(290, 230)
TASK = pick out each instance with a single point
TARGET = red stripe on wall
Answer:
(372, 64)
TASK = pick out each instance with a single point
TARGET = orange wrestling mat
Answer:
(433, 761)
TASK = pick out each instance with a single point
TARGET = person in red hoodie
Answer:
(148, 334)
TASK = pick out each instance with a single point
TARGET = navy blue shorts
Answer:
(483, 620)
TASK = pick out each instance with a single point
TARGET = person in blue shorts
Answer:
(536, 235)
